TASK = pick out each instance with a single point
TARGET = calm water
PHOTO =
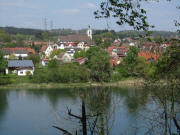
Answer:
(34, 112)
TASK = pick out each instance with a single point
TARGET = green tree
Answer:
(3, 63)
(98, 63)
(82, 53)
(168, 67)
(131, 59)
(56, 52)
(35, 58)
(12, 57)
(125, 11)
(4, 37)
(53, 64)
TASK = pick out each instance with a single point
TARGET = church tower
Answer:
(89, 32)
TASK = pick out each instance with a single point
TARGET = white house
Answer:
(61, 46)
(16, 52)
(64, 57)
(46, 50)
(20, 67)
(45, 62)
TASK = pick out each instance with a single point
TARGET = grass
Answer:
(23, 83)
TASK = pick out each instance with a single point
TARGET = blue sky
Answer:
(78, 14)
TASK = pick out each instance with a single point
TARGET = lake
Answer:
(115, 111)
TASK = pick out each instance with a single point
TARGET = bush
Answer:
(5, 80)
(65, 74)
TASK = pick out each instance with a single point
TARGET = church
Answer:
(76, 38)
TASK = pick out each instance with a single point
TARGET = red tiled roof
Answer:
(45, 59)
(149, 55)
(150, 44)
(113, 62)
(110, 48)
(30, 50)
(43, 48)
(74, 43)
(81, 60)
(125, 46)
(20, 48)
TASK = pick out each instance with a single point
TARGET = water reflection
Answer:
(110, 111)
(53, 95)
(3, 103)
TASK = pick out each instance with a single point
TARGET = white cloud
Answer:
(19, 3)
(91, 5)
(72, 11)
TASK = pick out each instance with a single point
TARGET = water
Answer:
(34, 112)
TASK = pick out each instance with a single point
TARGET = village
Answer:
(66, 47)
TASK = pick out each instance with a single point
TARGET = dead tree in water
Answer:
(83, 120)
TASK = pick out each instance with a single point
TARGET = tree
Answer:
(131, 59)
(34, 58)
(3, 63)
(56, 52)
(53, 64)
(82, 53)
(168, 67)
(126, 11)
(98, 63)
(4, 37)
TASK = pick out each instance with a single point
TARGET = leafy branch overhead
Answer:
(126, 12)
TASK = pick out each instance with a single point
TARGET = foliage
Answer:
(64, 74)
(35, 58)
(3, 63)
(126, 11)
(10, 44)
(98, 63)
(28, 73)
(130, 60)
(82, 53)
(5, 79)
(53, 64)
(12, 57)
(4, 37)
(105, 44)
(169, 65)
(37, 48)
(56, 52)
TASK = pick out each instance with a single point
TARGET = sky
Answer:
(78, 14)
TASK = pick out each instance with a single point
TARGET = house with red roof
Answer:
(18, 52)
(151, 57)
(81, 60)
(46, 50)
(45, 62)
(114, 62)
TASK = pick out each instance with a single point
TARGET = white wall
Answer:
(48, 51)
(22, 55)
(22, 72)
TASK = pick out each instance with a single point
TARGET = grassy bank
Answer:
(127, 83)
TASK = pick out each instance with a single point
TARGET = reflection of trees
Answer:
(135, 99)
(98, 101)
(3, 102)
(53, 94)
(95, 112)
(165, 117)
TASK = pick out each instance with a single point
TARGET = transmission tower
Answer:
(45, 23)
(51, 25)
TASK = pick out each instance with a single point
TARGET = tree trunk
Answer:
(84, 124)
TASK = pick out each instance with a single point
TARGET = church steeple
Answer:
(89, 32)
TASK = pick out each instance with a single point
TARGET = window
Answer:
(21, 72)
